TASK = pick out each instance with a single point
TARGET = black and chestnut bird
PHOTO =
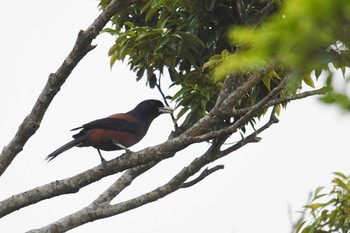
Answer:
(116, 132)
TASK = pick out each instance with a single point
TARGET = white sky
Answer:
(251, 194)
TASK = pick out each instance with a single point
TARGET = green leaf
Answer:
(181, 113)
(161, 42)
(318, 73)
(315, 206)
(112, 61)
(341, 184)
(300, 225)
(341, 175)
(154, 9)
(317, 193)
(267, 81)
(278, 110)
(152, 80)
(147, 6)
(209, 64)
(308, 81)
(129, 24)
(306, 230)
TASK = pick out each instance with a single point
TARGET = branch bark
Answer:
(143, 157)
(101, 207)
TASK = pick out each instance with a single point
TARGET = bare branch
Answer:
(252, 137)
(159, 87)
(124, 181)
(75, 183)
(82, 46)
(101, 208)
(282, 100)
(206, 172)
(126, 161)
(241, 121)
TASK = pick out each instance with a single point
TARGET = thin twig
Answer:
(282, 100)
(252, 137)
(158, 85)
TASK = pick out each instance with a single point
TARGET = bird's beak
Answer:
(165, 110)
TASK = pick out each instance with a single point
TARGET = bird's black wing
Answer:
(112, 124)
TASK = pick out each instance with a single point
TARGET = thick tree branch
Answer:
(241, 121)
(82, 46)
(101, 207)
(126, 161)
(75, 183)
(124, 181)
(228, 98)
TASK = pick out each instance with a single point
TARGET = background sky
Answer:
(252, 194)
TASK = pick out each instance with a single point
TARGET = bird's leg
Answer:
(101, 157)
(123, 147)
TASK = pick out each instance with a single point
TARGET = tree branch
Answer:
(240, 10)
(75, 183)
(263, 13)
(124, 181)
(121, 163)
(206, 172)
(282, 100)
(252, 137)
(241, 121)
(227, 99)
(82, 46)
(101, 208)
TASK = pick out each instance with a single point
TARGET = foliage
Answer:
(339, 91)
(188, 39)
(329, 210)
(303, 36)
(201, 43)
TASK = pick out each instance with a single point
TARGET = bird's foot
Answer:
(123, 147)
(128, 151)
(103, 161)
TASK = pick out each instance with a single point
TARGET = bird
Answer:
(115, 132)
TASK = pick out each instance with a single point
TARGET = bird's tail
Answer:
(65, 147)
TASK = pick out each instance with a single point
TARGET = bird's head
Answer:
(148, 110)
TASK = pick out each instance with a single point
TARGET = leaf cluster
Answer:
(303, 36)
(185, 39)
(329, 210)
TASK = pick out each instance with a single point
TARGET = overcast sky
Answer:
(251, 194)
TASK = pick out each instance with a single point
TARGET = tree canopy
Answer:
(199, 43)
(232, 62)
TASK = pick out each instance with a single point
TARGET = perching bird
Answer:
(116, 132)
